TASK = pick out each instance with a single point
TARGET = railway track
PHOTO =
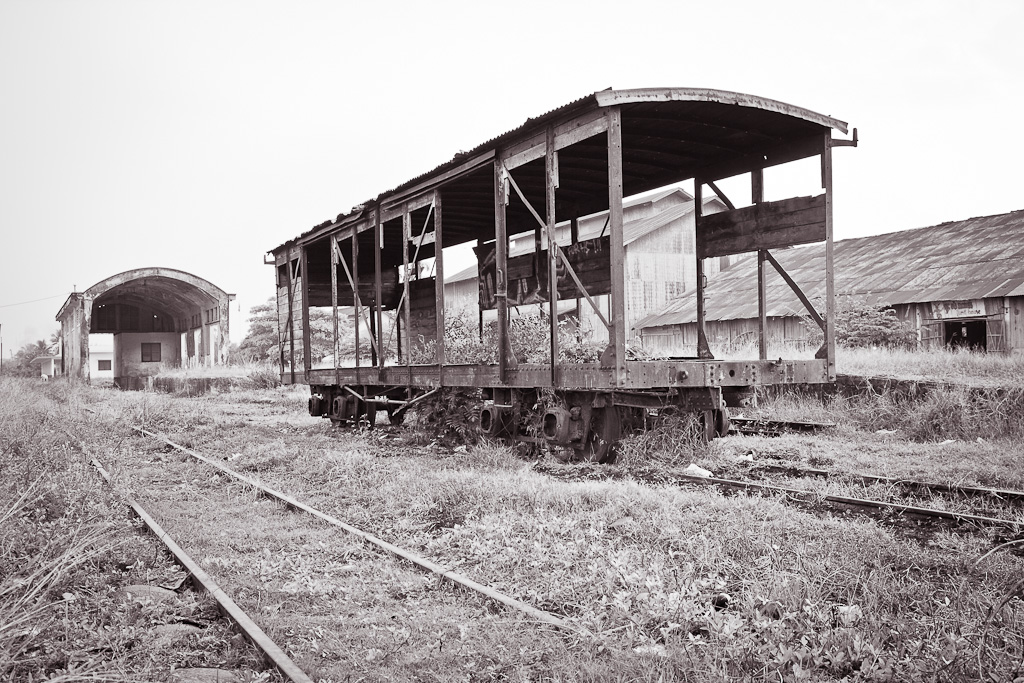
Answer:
(1004, 530)
(241, 621)
(871, 506)
(443, 572)
(376, 565)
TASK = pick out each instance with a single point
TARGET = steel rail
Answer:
(860, 502)
(423, 562)
(274, 655)
(1005, 494)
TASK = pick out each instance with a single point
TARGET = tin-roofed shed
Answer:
(958, 283)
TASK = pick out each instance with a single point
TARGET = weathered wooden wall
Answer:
(681, 340)
(289, 314)
(423, 309)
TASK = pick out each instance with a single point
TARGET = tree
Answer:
(21, 363)
(862, 325)
(261, 343)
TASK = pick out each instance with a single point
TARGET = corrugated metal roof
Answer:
(668, 135)
(973, 259)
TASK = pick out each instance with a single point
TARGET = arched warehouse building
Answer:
(158, 318)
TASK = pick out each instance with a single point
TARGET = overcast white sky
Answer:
(200, 135)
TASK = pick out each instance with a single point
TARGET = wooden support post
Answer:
(574, 237)
(703, 349)
(307, 351)
(333, 240)
(550, 183)
(398, 338)
(439, 284)
(356, 308)
(378, 313)
(277, 299)
(291, 316)
(406, 308)
(617, 312)
(480, 306)
(756, 197)
(374, 356)
(830, 291)
(500, 265)
(762, 299)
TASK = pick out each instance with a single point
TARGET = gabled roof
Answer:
(973, 259)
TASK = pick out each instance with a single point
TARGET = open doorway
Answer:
(966, 334)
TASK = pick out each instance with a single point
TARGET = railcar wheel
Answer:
(715, 423)
(722, 422)
(396, 416)
(605, 430)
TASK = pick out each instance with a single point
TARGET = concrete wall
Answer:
(128, 353)
(94, 359)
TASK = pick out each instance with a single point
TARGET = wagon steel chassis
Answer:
(576, 160)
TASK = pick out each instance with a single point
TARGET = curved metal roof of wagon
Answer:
(757, 111)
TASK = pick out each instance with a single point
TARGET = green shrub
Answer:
(862, 325)
(450, 416)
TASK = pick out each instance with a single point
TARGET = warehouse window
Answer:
(151, 352)
(103, 365)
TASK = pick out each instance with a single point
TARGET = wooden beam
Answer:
(353, 278)
(407, 310)
(439, 284)
(830, 291)
(757, 197)
(768, 225)
(796, 290)
(550, 183)
(581, 289)
(567, 133)
(762, 305)
(359, 312)
(334, 304)
(500, 265)
(703, 349)
(574, 237)
(378, 241)
(721, 195)
(618, 249)
(292, 274)
(395, 210)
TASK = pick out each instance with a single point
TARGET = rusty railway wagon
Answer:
(377, 272)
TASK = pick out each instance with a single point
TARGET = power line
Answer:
(22, 303)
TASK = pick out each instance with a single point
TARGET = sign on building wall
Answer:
(951, 310)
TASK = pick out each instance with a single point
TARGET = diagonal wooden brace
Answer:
(796, 289)
(357, 298)
(561, 254)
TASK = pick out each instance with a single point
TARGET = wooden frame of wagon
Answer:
(651, 138)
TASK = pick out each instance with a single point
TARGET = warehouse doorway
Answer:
(966, 334)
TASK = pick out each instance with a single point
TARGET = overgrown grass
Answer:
(955, 412)
(942, 365)
(66, 550)
(679, 585)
